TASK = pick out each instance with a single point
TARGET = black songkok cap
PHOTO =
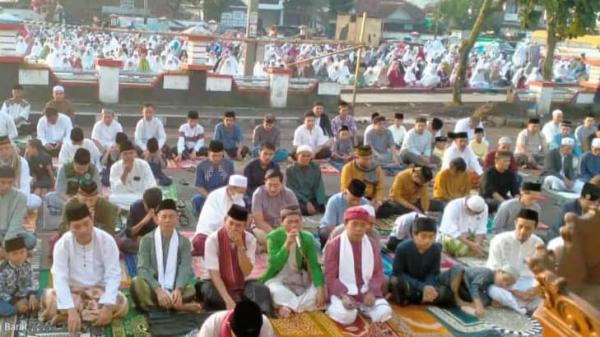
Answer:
(246, 320)
(423, 224)
(126, 145)
(459, 135)
(76, 211)
(528, 214)
(7, 172)
(215, 146)
(399, 115)
(451, 135)
(441, 139)
(167, 204)
(531, 186)
(238, 213)
(590, 192)
(534, 120)
(13, 244)
(357, 188)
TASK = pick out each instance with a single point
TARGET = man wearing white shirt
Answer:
(552, 128)
(149, 127)
(190, 143)
(7, 126)
(129, 177)
(514, 248)
(85, 262)
(416, 146)
(53, 129)
(468, 125)
(9, 156)
(215, 209)
(398, 130)
(17, 108)
(77, 141)
(105, 131)
(310, 135)
(460, 149)
(463, 226)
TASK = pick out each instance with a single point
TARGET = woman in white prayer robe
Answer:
(478, 80)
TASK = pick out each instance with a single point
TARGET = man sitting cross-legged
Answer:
(353, 272)
(129, 177)
(304, 178)
(293, 274)
(416, 269)
(229, 258)
(513, 249)
(463, 226)
(529, 196)
(165, 266)
(86, 274)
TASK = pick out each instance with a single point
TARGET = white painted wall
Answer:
(34, 76)
(176, 82)
(222, 84)
(108, 84)
(279, 85)
(329, 89)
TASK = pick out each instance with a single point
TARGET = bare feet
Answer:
(468, 309)
(284, 312)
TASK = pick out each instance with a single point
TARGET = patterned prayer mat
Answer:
(512, 324)
(184, 164)
(416, 321)
(134, 324)
(461, 324)
(14, 326)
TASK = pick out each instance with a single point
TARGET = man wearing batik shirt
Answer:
(211, 173)
(149, 127)
(343, 118)
(17, 108)
(18, 295)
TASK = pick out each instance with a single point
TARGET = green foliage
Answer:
(454, 14)
(339, 6)
(567, 18)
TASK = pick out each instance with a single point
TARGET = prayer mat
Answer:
(16, 326)
(169, 324)
(461, 324)
(184, 164)
(416, 321)
(512, 324)
(187, 219)
(387, 262)
(339, 166)
(134, 324)
(384, 226)
(447, 262)
(125, 277)
(169, 192)
(306, 324)
(329, 170)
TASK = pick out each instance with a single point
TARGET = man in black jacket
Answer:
(322, 119)
(559, 172)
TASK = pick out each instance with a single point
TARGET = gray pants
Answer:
(55, 201)
(408, 157)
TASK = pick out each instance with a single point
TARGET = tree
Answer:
(487, 9)
(564, 19)
(174, 6)
(214, 8)
(340, 6)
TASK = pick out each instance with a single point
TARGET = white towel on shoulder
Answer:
(346, 267)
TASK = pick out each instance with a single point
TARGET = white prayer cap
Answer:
(304, 148)
(58, 88)
(369, 209)
(596, 142)
(556, 112)
(504, 140)
(567, 141)
(476, 204)
(237, 180)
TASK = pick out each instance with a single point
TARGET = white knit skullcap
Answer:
(237, 180)
(476, 204)
(304, 148)
(567, 141)
(58, 88)
(596, 142)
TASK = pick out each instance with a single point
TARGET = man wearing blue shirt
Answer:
(211, 173)
(337, 204)
(230, 134)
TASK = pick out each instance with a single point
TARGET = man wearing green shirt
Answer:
(305, 180)
(165, 266)
(13, 207)
(293, 273)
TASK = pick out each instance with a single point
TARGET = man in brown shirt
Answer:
(60, 103)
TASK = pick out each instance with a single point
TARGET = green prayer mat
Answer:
(169, 192)
(134, 324)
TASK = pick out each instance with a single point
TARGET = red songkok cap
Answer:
(357, 213)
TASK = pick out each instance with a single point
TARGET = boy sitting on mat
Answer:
(17, 292)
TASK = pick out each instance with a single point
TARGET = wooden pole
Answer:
(357, 68)
(325, 55)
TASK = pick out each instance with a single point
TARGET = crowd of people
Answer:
(263, 209)
(391, 64)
